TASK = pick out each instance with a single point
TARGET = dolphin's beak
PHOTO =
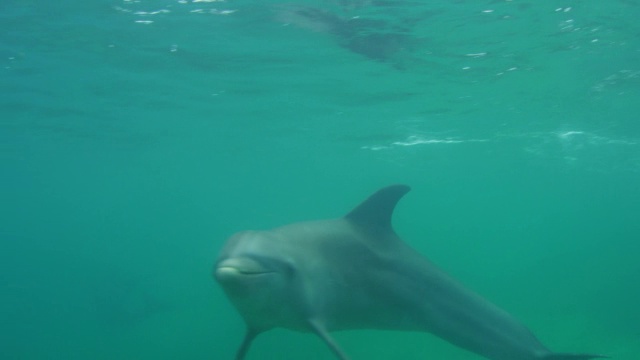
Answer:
(235, 267)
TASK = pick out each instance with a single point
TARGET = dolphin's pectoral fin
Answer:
(563, 356)
(246, 343)
(318, 328)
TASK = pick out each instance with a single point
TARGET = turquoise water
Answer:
(136, 136)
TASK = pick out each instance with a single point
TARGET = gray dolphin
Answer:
(354, 272)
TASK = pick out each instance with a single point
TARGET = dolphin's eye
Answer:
(289, 270)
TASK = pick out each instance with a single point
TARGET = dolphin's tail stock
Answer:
(565, 356)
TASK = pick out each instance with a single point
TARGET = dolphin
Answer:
(372, 37)
(354, 272)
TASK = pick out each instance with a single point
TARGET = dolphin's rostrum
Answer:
(354, 272)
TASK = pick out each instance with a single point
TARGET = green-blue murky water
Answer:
(136, 136)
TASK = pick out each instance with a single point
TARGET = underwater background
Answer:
(136, 136)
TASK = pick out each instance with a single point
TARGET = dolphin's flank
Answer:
(354, 272)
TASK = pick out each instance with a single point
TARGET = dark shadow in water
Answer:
(122, 300)
(385, 38)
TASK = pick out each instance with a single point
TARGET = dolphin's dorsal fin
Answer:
(377, 210)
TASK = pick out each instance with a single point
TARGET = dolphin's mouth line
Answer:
(241, 271)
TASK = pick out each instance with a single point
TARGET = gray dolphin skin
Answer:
(354, 272)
